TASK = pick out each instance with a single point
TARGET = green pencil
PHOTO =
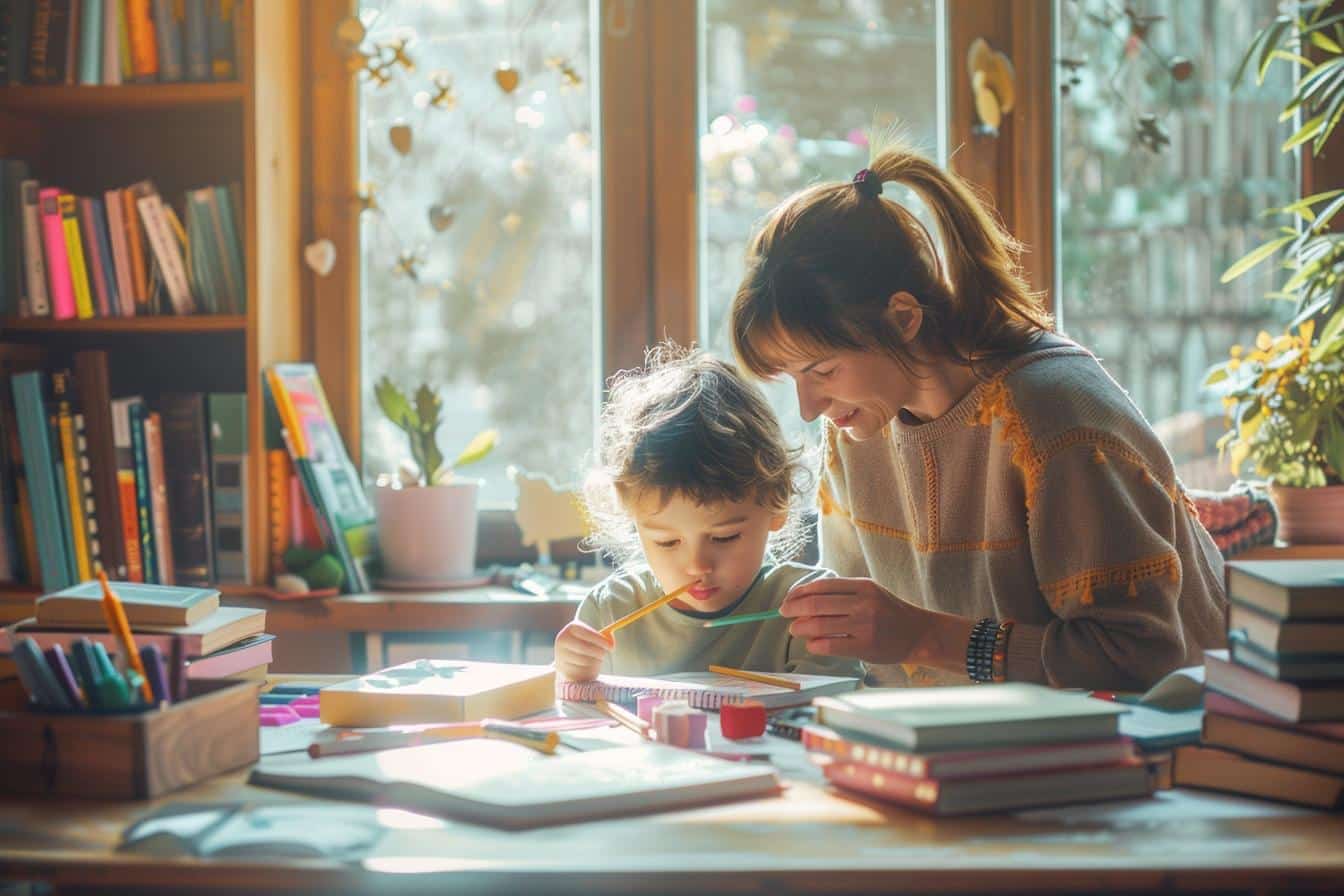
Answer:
(743, 617)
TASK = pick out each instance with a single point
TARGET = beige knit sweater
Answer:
(1042, 497)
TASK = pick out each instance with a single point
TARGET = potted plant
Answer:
(1285, 397)
(427, 513)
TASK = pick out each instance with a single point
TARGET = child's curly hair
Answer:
(689, 424)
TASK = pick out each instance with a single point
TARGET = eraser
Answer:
(677, 724)
(645, 704)
(742, 720)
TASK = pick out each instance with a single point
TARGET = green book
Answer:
(144, 604)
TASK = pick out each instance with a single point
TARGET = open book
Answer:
(510, 786)
(706, 690)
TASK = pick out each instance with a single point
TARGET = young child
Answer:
(695, 479)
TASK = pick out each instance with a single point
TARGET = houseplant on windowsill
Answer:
(1285, 398)
(426, 513)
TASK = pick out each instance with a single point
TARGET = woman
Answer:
(995, 505)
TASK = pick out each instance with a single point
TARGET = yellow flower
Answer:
(1235, 351)
(1264, 341)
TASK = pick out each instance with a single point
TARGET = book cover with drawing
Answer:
(425, 691)
(510, 786)
(706, 690)
(296, 400)
(968, 717)
(144, 604)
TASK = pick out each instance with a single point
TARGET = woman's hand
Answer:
(580, 650)
(860, 618)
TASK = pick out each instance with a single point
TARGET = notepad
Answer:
(505, 785)
(144, 604)
(307, 830)
(705, 690)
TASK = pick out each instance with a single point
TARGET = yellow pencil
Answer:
(647, 609)
(757, 676)
(624, 716)
(115, 615)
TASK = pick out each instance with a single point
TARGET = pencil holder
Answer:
(131, 754)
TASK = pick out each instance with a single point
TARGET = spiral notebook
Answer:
(705, 690)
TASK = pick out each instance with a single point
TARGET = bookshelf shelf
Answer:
(204, 323)
(57, 101)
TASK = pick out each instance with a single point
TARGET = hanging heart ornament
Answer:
(507, 77)
(320, 256)
(401, 136)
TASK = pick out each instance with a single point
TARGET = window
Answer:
(771, 123)
(480, 273)
(1151, 211)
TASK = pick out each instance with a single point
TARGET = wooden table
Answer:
(374, 619)
(807, 841)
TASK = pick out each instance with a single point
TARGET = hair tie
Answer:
(868, 183)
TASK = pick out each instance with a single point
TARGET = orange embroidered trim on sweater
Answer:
(997, 403)
(1083, 585)
(931, 493)
(832, 459)
(829, 506)
(1105, 445)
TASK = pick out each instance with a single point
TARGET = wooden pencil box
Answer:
(128, 755)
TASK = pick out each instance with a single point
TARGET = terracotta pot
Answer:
(1310, 515)
(428, 534)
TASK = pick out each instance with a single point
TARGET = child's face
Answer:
(720, 545)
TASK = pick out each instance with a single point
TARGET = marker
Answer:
(740, 618)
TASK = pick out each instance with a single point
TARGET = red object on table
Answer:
(742, 720)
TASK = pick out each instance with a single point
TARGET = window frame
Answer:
(648, 138)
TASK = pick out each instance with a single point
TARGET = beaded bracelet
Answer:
(999, 667)
(980, 650)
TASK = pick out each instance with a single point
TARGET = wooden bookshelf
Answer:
(53, 101)
(202, 323)
(182, 136)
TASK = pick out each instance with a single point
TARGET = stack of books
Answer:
(94, 42)
(1274, 705)
(960, 750)
(149, 491)
(212, 641)
(126, 252)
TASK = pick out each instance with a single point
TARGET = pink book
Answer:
(121, 256)
(1223, 705)
(58, 260)
(232, 660)
(88, 231)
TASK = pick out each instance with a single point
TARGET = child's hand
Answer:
(580, 650)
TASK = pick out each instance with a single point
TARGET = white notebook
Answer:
(505, 785)
(706, 690)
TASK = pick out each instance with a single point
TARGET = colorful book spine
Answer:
(30, 412)
(197, 41)
(111, 43)
(20, 24)
(13, 281)
(143, 500)
(228, 484)
(186, 465)
(229, 207)
(277, 501)
(90, 42)
(58, 259)
(34, 258)
(115, 224)
(169, 33)
(74, 253)
(93, 388)
(104, 242)
(70, 70)
(124, 43)
(158, 499)
(74, 489)
(165, 245)
(87, 501)
(135, 249)
(127, 505)
(47, 24)
(88, 235)
(222, 66)
(143, 41)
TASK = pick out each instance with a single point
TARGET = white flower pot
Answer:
(428, 533)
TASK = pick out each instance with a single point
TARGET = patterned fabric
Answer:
(1043, 497)
(1238, 519)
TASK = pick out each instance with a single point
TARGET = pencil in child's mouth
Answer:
(742, 617)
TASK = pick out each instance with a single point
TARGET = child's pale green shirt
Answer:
(670, 640)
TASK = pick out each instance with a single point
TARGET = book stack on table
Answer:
(959, 750)
(1274, 705)
(212, 641)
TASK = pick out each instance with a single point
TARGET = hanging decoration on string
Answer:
(1134, 78)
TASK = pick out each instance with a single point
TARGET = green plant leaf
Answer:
(1332, 443)
(481, 445)
(1308, 130)
(1304, 207)
(1261, 48)
(428, 406)
(1327, 214)
(1215, 376)
(1332, 116)
(394, 404)
(1254, 257)
(1324, 41)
